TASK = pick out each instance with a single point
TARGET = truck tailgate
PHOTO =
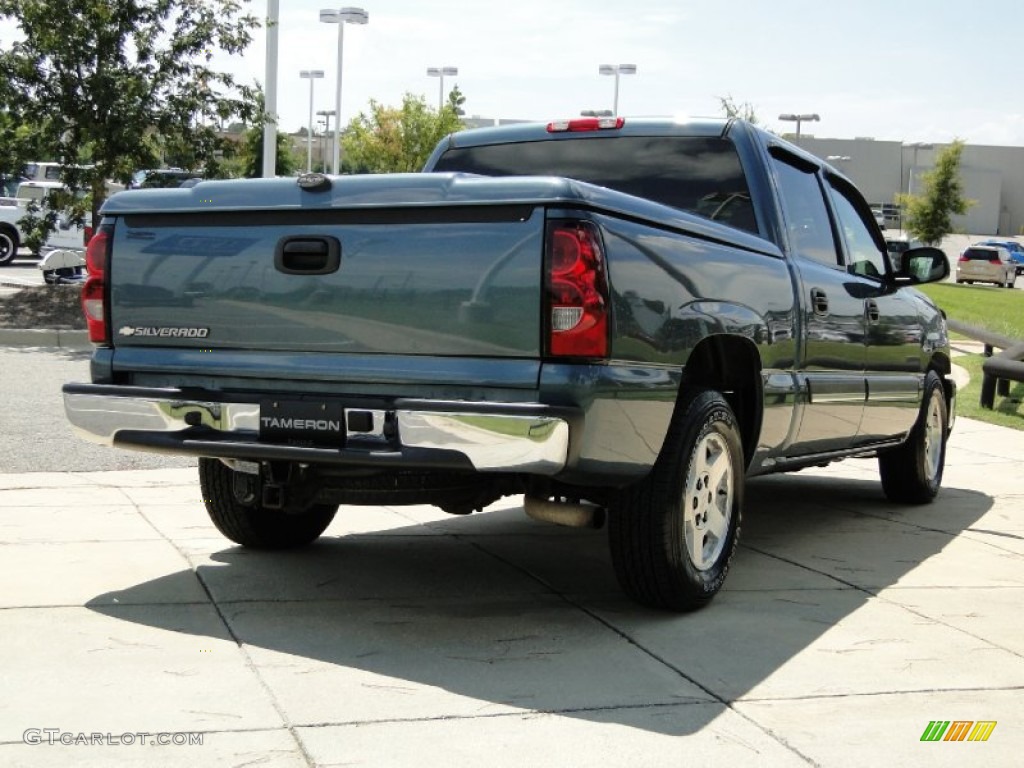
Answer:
(443, 281)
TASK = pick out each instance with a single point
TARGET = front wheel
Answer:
(673, 534)
(232, 505)
(912, 473)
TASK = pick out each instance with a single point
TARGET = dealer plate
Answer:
(317, 422)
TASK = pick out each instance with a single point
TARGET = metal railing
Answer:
(998, 370)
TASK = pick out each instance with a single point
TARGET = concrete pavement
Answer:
(406, 637)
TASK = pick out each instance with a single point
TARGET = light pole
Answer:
(798, 119)
(441, 72)
(910, 174)
(312, 75)
(270, 98)
(617, 69)
(341, 17)
(326, 114)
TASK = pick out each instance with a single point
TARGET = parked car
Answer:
(1016, 251)
(986, 264)
(161, 178)
(896, 247)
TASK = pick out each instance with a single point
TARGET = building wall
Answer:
(993, 177)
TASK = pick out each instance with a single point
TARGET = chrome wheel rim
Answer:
(707, 502)
(933, 429)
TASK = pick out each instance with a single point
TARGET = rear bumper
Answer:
(400, 433)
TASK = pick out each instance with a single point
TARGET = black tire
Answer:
(912, 473)
(8, 245)
(248, 523)
(652, 525)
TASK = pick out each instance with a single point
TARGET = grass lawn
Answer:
(997, 310)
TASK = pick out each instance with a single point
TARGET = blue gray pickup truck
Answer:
(618, 319)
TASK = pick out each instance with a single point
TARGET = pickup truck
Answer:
(66, 236)
(616, 318)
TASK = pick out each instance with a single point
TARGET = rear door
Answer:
(831, 368)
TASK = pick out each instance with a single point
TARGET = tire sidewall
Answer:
(933, 389)
(6, 241)
(709, 414)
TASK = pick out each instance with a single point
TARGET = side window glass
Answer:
(863, 254)
(810, 229)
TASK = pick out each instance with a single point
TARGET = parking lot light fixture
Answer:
(442, 73)
(341, 17)
(798, 119)
(616, 70)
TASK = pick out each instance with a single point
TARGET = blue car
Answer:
(1016, 251)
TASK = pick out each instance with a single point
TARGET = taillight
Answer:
(995, 260)
(97, 259)
(962, 259)
(577, 291)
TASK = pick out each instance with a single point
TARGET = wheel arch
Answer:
(731, 365)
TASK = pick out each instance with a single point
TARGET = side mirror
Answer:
(923, 265)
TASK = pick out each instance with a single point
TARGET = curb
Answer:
(45, 337)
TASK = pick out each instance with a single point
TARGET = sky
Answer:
(900, 70)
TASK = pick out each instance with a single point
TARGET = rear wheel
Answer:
(8, 245)
(912, 473)
(673, 535)
(232, 504)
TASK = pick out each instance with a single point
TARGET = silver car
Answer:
(986, 264)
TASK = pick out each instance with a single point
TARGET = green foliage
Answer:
(399, 139)
(120, 79)
(251, 155)
(19, 144)
(928, 216)
(994, 309)
(731, 109)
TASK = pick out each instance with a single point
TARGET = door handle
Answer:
(871, 310)
(819, 301)
(307, 255)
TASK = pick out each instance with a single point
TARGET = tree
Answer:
(731, 109)
(250, 156)
(928, 215)
(399, 139)
(121, 78)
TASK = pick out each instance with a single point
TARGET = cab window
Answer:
(807, 220)
(864, 257)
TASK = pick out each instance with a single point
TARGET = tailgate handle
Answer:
(307, 255)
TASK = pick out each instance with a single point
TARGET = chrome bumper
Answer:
(487, 437)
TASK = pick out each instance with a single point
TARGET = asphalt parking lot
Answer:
(406, 637)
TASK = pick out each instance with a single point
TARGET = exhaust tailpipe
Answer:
(571, 514)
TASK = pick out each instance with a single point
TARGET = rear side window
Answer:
(807, 219)
(697, 175)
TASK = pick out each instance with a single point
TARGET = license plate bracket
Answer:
(302, 422)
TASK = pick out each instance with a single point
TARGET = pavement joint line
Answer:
(876, 593)
(870, 694)
(249, 663)
(594, 616)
